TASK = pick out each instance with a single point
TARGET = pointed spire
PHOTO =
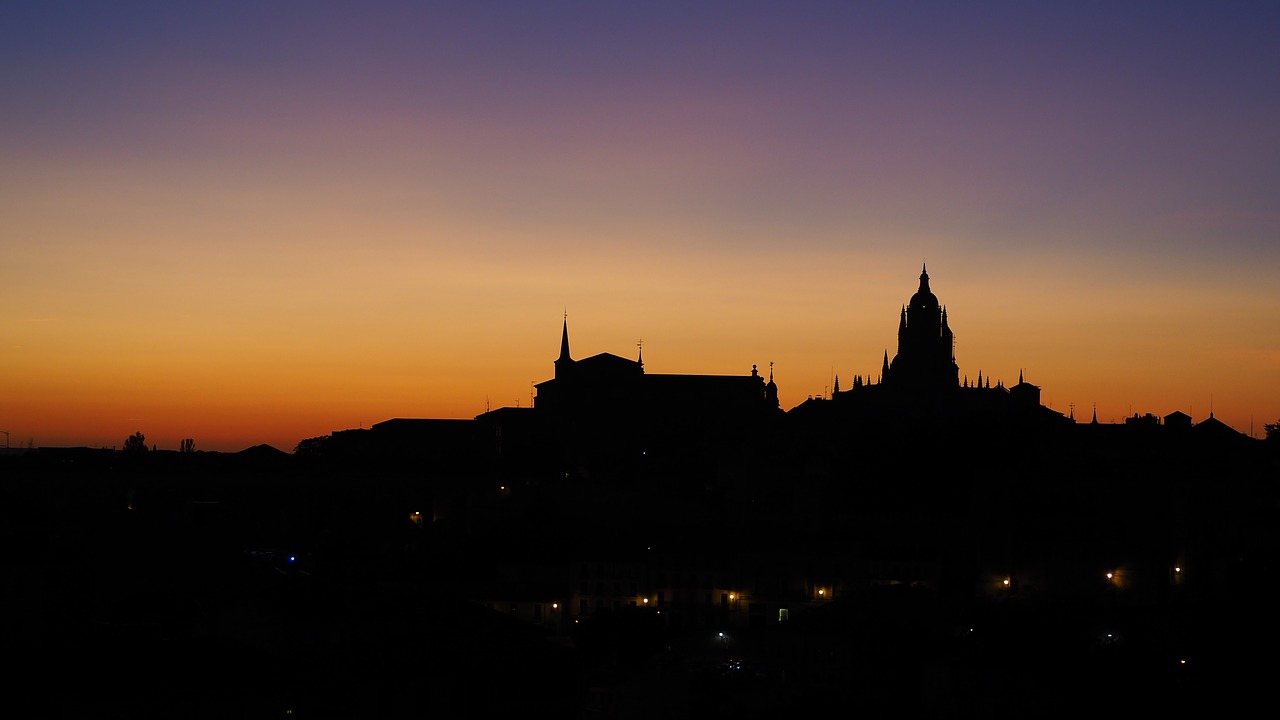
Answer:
(564, 362)
(1020, 380)
(836, 389)
(924, 279)
(884, 368)
(640, 353)
(771, 389)
(564, 340)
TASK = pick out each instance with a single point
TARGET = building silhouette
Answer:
(607, 416)
(926, 360)
(917, 543)
(920, 397)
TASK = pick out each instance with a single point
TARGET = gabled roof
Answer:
(1216, 429)
(607, 360)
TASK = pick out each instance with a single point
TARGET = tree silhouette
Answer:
(188, 445)
(135, 443)
(312, 447)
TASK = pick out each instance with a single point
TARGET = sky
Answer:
(259, 222)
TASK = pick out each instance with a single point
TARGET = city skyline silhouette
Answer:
(244, 226)
(916, 543)
(701, 359)
(908, 357)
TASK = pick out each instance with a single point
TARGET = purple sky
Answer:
(384, 211)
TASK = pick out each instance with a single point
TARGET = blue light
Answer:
(292, 558)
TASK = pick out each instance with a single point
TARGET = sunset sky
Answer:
(258, 222)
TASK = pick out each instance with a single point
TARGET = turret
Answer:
(771, 389)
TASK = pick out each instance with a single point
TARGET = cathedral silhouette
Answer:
(606, 415)
(926, 360)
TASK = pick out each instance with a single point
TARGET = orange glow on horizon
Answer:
(387, 219)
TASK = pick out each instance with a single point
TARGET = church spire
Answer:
(924, 279)
(771, 389)
(564, 340)
(564, 362)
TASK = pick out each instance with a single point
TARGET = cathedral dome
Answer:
(924, 298)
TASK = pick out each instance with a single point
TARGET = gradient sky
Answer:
(248, 222)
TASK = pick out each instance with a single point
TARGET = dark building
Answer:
(926, 360)
(610, 417)
(921, 391)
